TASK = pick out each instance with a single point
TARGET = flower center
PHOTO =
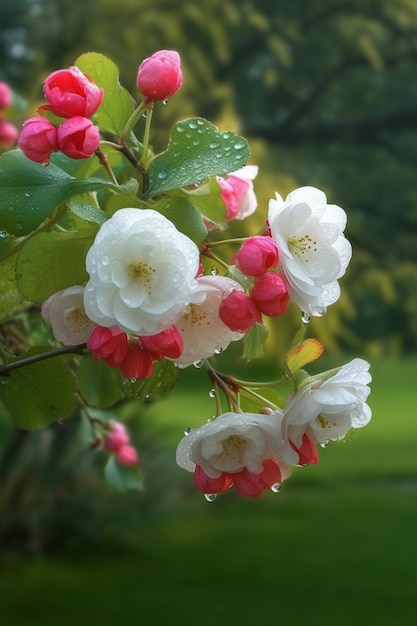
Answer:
(323, 422)
(196, 316)
(233, 448)
(141, 272)
(302, 246)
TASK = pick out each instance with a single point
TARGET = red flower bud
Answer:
(253, 485)
(117, 437)
(69, 92)
(270, 294)
(256, 255)
(78, 138)
(166, 344)
(239, 312)
(38, 139)
(307, 452)
(109, 344)
(211, 485)
(160, 76)
(8, 134)
(5, 96)
(127, 455)
(137, 363)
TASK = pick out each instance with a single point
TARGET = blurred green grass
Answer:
(337, 545)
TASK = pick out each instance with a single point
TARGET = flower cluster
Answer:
(8, 131)
(146, 291)
(71, 95)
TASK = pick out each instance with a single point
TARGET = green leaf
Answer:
(181, 212)
(196, 150)
(253, 342)
(162, 381)
(209, 201)
(52, 261)
(30, 191)
(88, 212)
(11, 297)
(305, 352)
(117, 105)
(123, 477)
(38, 394)
(99, 384)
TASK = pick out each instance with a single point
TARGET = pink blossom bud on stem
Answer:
(239, 312)
(256, 255)
(38, 139)
(159, 76)
(8, 134)
(70, 93)
(78, 137)
(5, 96)
(270, 294)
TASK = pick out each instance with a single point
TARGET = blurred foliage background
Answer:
(325, 92)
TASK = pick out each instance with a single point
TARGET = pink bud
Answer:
(166, 344)
(159, 76)
(5, 96)
(239, 312)
(137, 363)
(78, 138)
(307, 452)
(270, 294)
(38, 139)
(8, 134)
(127, 455)
(109, 344)
(256, 255)
(117, 437)
(69, 93)
(253, 485)
(211, 485)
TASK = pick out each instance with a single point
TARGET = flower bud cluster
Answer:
(257, 258)
(117, 441)
(8, 131)
(71, 95)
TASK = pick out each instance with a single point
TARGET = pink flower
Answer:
(38, 139)
(137, 363)
(5, 96)
(159, 76)
(237, 192)
(256, 255)
(166, 344)
(201, 328)
(307, 451)
(270, 294)
(117, 437)
(205, 484)
(127, 455)
(273, 473)
(71, 93)
(239, 312)
(8, 134)
(64, 312)
(78, 137)
(109, 344)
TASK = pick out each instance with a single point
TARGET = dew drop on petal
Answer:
(305, 318)
(188, 430)
(198, 364)
(210, 497)
(276, 487)
(218, 350)
(212, 393)
(214, 271)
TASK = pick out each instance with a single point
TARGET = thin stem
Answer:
(6, 368)
(213, 244)
(149, 113)
(263, 400)
(133, 119)
(105, 162)
(215, 258)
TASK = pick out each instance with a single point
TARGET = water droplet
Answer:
(212, 393)
(180, 128)
(214, 144)
(305, 318)
(198, 364)
(148, 398)
(192, 124)
(162, 175)
(196, 142)
(28, 193)
(276, 487)
(218, 350)
(210, 497)
(214, 271)
(165, 101)
(239, 145)
(188, 430)
(105, 259)
(324, 445)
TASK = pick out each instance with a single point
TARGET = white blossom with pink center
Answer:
(231, 443)
(329, 406)
(237, 192)
(314, 252)
(142, 272)
(200, 326)
(64, 312)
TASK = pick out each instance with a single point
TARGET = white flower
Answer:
(202, 330)
(142, 272)
(237, 192)
(314, 253)
(64, 312)
(231, 443)
(327, 408)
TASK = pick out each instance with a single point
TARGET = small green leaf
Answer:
(30, 191)
(99, 384)
(162, 381)
(38, 394)
(305, 352)
(210, 203)
(181, 212)
(52, 261)
(117, 105)
(123, 477)
(253, 342)
(196, 151)
(88, 212)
